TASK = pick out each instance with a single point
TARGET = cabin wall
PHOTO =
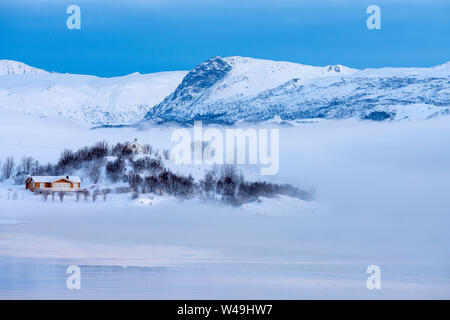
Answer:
(63, 181)
(31, 185)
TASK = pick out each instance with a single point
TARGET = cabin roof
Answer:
(75, 179)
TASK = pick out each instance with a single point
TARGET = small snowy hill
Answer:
(10, 67)
(87, 100)
(235, 89)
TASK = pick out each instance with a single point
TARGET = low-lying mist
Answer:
(383, 189)
(386, 185)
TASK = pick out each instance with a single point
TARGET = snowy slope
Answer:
(88, 100)
(230, 90)
(250, 76)
(10, 67)
(220, 80)
(376, 94)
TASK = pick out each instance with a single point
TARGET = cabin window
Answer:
(61, 185)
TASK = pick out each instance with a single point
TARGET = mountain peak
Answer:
(11, 67)
(220, 79)
(207, 73)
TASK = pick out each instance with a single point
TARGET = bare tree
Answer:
(105, 193)
(208, 184)
(93, 170)
(166, 154)
(86, 195)
(8, 167)
(134, 179)
(45, 195)
(116, 169)
(78, 195)
(95, 195)
(53, 195)
(61, 195)
(28, 165)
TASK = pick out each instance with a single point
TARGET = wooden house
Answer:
(53, 183)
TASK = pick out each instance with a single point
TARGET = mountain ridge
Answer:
(331, 92)
(87, 100)
(228, 90)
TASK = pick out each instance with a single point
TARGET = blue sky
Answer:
(121, 37)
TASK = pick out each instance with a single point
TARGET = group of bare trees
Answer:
(231, 187)
(116, 169)
(93, 160)
(220, 184)
(147, 163)
(166, 182)
(46, 193)
(27, 166)
(81, 194)
(8, 168)
(100, 193)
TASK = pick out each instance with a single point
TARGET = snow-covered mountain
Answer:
(10, 67)
(234, 89)
(228, 90)
(88, 100)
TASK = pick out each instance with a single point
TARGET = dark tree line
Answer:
(120, 150)
(224, 184)
(70, 160)
(27, 167)
(233, 189)
(147, 164)
(164, 183)
(116, 169)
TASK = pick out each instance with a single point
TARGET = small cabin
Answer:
(135, 147)
(53, 183)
